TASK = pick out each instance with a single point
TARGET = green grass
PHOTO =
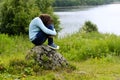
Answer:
(93, 69)
(93, 56)
(13, 47)
(90, 45)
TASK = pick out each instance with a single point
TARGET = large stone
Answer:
(47, 58)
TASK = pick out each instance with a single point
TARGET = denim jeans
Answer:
(41, 37)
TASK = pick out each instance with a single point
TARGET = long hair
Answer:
(46, 19)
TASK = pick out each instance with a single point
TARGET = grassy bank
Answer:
(94, 57)
(84, 46)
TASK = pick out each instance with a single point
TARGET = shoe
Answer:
(53, 46)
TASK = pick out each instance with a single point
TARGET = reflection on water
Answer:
(106, 17)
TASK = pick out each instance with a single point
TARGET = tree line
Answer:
(62, 3)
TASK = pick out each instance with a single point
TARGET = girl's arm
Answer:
(40, 24)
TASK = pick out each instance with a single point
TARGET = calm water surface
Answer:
(106, 17)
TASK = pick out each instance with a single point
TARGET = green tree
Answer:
(89, 27)
(16, 15)
(45, 6)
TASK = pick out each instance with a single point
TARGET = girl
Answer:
(40, 29)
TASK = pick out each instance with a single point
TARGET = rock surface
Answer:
(47, 58)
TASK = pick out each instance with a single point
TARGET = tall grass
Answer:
(13, 47)
(79, 46)
(83, 46)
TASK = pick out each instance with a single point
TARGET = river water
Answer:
(106, 17)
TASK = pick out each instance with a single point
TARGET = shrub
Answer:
(89, 27)
(16, 15)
